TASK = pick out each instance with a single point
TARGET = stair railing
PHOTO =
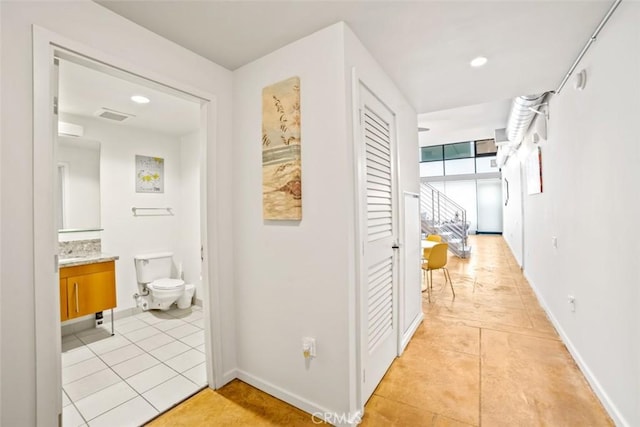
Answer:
(443, 216)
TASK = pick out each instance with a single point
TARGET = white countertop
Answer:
(86, 259)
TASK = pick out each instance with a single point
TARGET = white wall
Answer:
(2, 138)
(296, 279)
(92, 25)
(464, 193)
(188, 236)
(590, 202)
(292, 277)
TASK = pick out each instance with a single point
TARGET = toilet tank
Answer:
(150, 267)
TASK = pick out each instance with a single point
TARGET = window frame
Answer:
(471, 153)
(485, 154)
(433, 160)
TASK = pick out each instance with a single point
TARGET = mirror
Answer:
(78, 184)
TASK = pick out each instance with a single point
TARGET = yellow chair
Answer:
(437, 261)
(430, 238)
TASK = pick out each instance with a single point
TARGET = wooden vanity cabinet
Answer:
(87, 289)
(64, 313)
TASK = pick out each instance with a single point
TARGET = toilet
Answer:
(158, 289)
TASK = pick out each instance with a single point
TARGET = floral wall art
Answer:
(281, 166)
(149, 174)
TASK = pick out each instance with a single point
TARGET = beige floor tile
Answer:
(438, 334)
(443, 382)
(462, 309)
(386, 412)
(488, 356)
(236, 404)
(534, 381)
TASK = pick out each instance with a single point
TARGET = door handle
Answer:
(75, 290)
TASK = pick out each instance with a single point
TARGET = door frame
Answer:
(357, 410)
(407, 330)
(45, 236)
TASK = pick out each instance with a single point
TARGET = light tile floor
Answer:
(154, 361)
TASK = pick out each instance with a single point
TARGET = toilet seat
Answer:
(166, 284)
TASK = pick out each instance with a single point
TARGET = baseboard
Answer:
(228, 376)
(412, 330)
(316, 412)
(519, 262)
(608, 404)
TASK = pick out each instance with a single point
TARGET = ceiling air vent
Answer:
(115, 115)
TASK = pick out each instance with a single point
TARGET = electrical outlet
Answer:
(308, 347)
(554, 242)
(572, 302)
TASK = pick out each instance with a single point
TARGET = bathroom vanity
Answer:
(87, 286)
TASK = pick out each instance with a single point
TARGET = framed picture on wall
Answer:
(505, 191)
(534, 172)
(149, 174)
(281, 151)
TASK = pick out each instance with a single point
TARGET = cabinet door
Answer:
(64, 314)
(90, 293)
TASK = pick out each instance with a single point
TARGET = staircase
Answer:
(441, 215)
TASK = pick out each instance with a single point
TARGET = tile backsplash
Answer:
(78, 248)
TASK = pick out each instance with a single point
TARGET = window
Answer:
(430, 154)
(458, 158)
(486, 147)
(460, 150)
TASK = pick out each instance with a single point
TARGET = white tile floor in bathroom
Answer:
(155, 360)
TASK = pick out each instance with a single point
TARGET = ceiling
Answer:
(463, 124)
(84, 91)
(424, 46)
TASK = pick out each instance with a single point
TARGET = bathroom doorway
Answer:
(132, 156)
(154, 359)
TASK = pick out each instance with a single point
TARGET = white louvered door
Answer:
(378, 276)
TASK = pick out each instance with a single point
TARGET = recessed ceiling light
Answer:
(139, 99)
(478, 61)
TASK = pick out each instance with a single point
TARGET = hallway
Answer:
(490, 357)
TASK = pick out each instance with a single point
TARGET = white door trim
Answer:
(406, 331)
(356, 405)
(47, 320)
(45, 271)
